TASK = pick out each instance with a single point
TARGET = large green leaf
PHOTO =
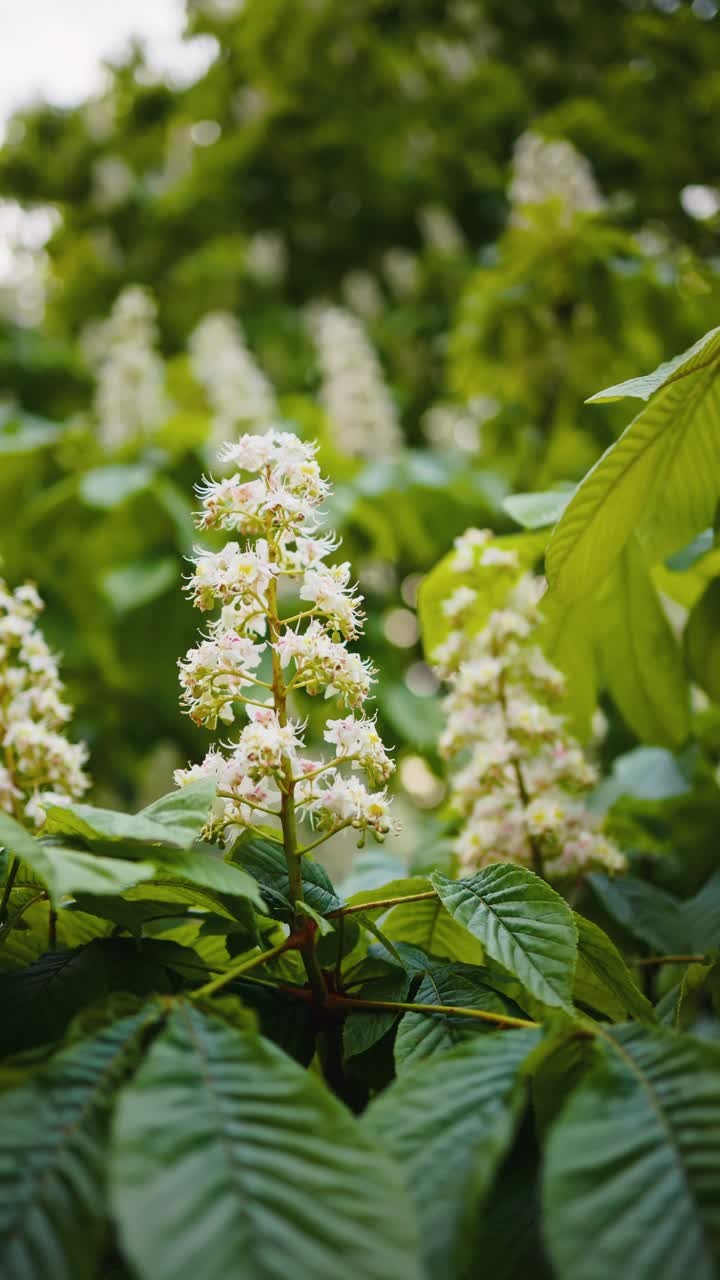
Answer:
(423, 1035)
(53, 1152)
(640, 660)
(203, 866)
(364, 1028)
(67, 871)
(632, 1165)
(429, 926)
(230, 1160)
(661, 478)
(702, 641)
(523, 924)
(183, 813)
(603, 980)
(448, 1122)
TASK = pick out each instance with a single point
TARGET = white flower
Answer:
(41, 767)
(277, 512)
(459, 602)
(552, 170)
(240, 395)
(353, 391)
(130, 398)
(521, 771)
(466, 547)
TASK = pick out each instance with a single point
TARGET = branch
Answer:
(382, 902)
(671, 960)
(245, 966)
(340, 1003)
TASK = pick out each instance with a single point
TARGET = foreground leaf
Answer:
(661, 478)
(449, 1122)
(53, 1147)
(632, 1166)
(429, 926)
(523, 924)
(232, 1161)
(68, 871)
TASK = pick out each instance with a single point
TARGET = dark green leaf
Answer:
(523, 924)
(423, 1035)
(603, 980)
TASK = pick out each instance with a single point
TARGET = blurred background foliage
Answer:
(367, 155)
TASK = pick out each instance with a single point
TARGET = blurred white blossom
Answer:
(546, 170)
(130, 398)
(240, 396)
(40, 767)
(520, 774)
(353, 389)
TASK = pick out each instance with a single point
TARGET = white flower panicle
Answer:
(39, 766)
(272, 500)
(552, 170)
(130, 399)
(521, 774)
(240, 396)
(353, 391)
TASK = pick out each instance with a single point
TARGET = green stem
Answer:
(340, 1002)
(288, 820)
(382, 902)
(244, 967)
(671, 960)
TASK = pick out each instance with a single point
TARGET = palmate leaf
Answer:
(230, 1160)
(53, 1151)
(632, 1165)
(448, 1122)
(522, 923)
(661, 478)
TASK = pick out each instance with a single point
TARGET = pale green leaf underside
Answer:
(632, 1166)
(231, 1161)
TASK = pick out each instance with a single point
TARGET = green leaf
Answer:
(39, 1002)
(109, 486)
(230, 1160)
(203, 866)
(431, 927)
(603, 980)
(138, 582)
(632, 1166)
(640, 659)
(67, 871)
(53, 1153)
(702, 641)
(265, 862)
(661, 478)
(363, 1028)
(103, 827)
(393, 889)
(522, 923)
(423, 1035)
(448, 1122)
(183, 812)
(645, 911)
(537, 510)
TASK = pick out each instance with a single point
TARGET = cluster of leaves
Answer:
(528, 1103)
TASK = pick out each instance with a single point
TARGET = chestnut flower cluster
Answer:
(271, 503)
(240, 396)
(353, 391)
(521, 774)
(39, 766)
(130, 399)
(552, 170)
